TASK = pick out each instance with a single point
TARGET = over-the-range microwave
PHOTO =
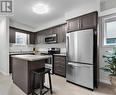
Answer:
(51, 39)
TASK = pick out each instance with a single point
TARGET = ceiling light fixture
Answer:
(40, 8)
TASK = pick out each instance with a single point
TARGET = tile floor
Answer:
(60, 87)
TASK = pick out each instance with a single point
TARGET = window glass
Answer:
(110, 32)
(21, 38)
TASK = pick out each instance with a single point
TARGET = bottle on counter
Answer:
(34, 50)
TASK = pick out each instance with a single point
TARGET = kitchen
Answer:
(69, 47)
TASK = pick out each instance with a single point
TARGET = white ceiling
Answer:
(23, 10)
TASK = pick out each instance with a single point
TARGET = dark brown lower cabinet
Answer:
(60, 65)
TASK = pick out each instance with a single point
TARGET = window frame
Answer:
(27, 42)
(106, 19)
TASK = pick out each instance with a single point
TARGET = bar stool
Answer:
(41, 72)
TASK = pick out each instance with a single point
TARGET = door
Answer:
(80, 46)
(80, 74)
(11, 35)
(74, 24)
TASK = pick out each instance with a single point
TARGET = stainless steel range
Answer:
(49, 62)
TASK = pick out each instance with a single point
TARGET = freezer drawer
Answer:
(80, 74)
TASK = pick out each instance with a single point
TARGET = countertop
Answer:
(31, 57)
(21, 53)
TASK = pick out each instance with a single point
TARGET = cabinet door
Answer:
(49, 31)
(89, 21)
(40, 38)
(62, 33)
(32, 38)
(11, 35)
(73, 24)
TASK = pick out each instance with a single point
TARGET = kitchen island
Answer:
(22, 70)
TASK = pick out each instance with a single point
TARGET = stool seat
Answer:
(40, 73)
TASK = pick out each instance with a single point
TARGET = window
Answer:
(21, 38)
(110, 31)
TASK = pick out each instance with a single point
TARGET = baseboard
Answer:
(106, 85)
(105, 81)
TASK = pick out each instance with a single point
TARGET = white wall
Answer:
(107, 4)
(107, 7)
(51, 24)
(83, 9)
(4, 45)
(107, 11)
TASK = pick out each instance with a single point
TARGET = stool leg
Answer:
(50, 82)
(41, 81)
(33, 84)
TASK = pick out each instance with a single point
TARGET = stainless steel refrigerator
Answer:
(80, 58)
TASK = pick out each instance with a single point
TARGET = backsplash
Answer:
(18, 48)
(44, 47)
(39, 47)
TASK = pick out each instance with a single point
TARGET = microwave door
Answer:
(51, 39)
(80, 46)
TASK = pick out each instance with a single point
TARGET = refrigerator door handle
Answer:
(79, 65)
(67, 46)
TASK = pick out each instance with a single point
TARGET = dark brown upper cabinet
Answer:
(60, 30)
(83, 22)
(89, 21)
(11, 35)
(32, 38)
(62, 33)
(73, 24)
(40, 37)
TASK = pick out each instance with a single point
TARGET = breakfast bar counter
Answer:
(22, 70)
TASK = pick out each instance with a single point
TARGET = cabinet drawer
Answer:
(59, 62)
(59, 58)
(60, 70)
(61, 65)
